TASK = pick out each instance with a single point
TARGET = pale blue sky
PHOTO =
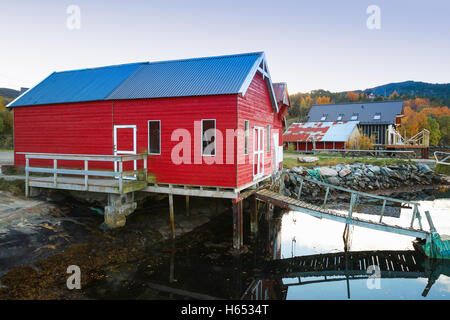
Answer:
(309, 44)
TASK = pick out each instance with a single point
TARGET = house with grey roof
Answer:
(375, 118)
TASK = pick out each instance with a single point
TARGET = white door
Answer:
(125, 143)
(275, 152)
(258, 152)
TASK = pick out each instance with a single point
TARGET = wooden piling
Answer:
(172, 218)
(253, 215)
(187, 206)
(237, 224)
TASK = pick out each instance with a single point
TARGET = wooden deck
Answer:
(95, 184)
(320, 212)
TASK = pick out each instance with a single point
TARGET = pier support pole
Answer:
(253, 215)
(269, 211)
(172, 218)
(238, 230)
(187, 206)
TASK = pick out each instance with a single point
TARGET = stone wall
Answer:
(360, 177)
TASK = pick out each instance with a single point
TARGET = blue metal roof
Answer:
(231, 74)
(190, 77)
(77, 85)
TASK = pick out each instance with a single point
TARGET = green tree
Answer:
(435, 133)
(444, 125)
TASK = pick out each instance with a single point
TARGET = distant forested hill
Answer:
(412, 88)
(9, 93)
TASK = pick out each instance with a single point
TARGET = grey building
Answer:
(375, 118)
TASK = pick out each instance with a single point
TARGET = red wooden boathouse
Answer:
(204, 122)
(136, 108)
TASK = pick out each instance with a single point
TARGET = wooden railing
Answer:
(119, 173)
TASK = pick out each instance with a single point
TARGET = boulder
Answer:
(423, 168)
(386, 171)
(334, 181)
(327, 172)
(375, 169)
(298, 170)
(307, 159)
(344, 172)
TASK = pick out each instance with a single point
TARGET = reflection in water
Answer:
(294, 256)
(409, 285)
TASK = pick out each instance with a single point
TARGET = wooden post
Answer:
(172, 218)
(55, 175)
(187, 206)
(253, 215)
(241, 223)
(120, 176)
(237, 224)
(86, 168)
(27, 176)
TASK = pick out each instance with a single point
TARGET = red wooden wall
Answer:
(87, 128)
(256, 107)
(180, 113)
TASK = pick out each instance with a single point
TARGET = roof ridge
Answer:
(369, 102)
(208, 58)
(103, 67)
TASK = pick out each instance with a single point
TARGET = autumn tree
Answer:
(323, 100)
(361, 142)
(394, 96)
(353, 96)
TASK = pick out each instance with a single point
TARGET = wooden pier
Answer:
(320, 212)
(435, 246)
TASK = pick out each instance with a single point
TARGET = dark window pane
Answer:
(154, 136)
(209, 137)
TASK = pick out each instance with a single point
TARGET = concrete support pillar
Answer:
(238, 230)
(34, 192)
(119, 206)
(253, 215)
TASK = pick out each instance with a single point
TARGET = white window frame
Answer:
(120, 152)
(148, 140)
(116, 151)
(246, 137)
(215, 136)
(269, 146)
(259, 153)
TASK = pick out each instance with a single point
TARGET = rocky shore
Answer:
(360, 177)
